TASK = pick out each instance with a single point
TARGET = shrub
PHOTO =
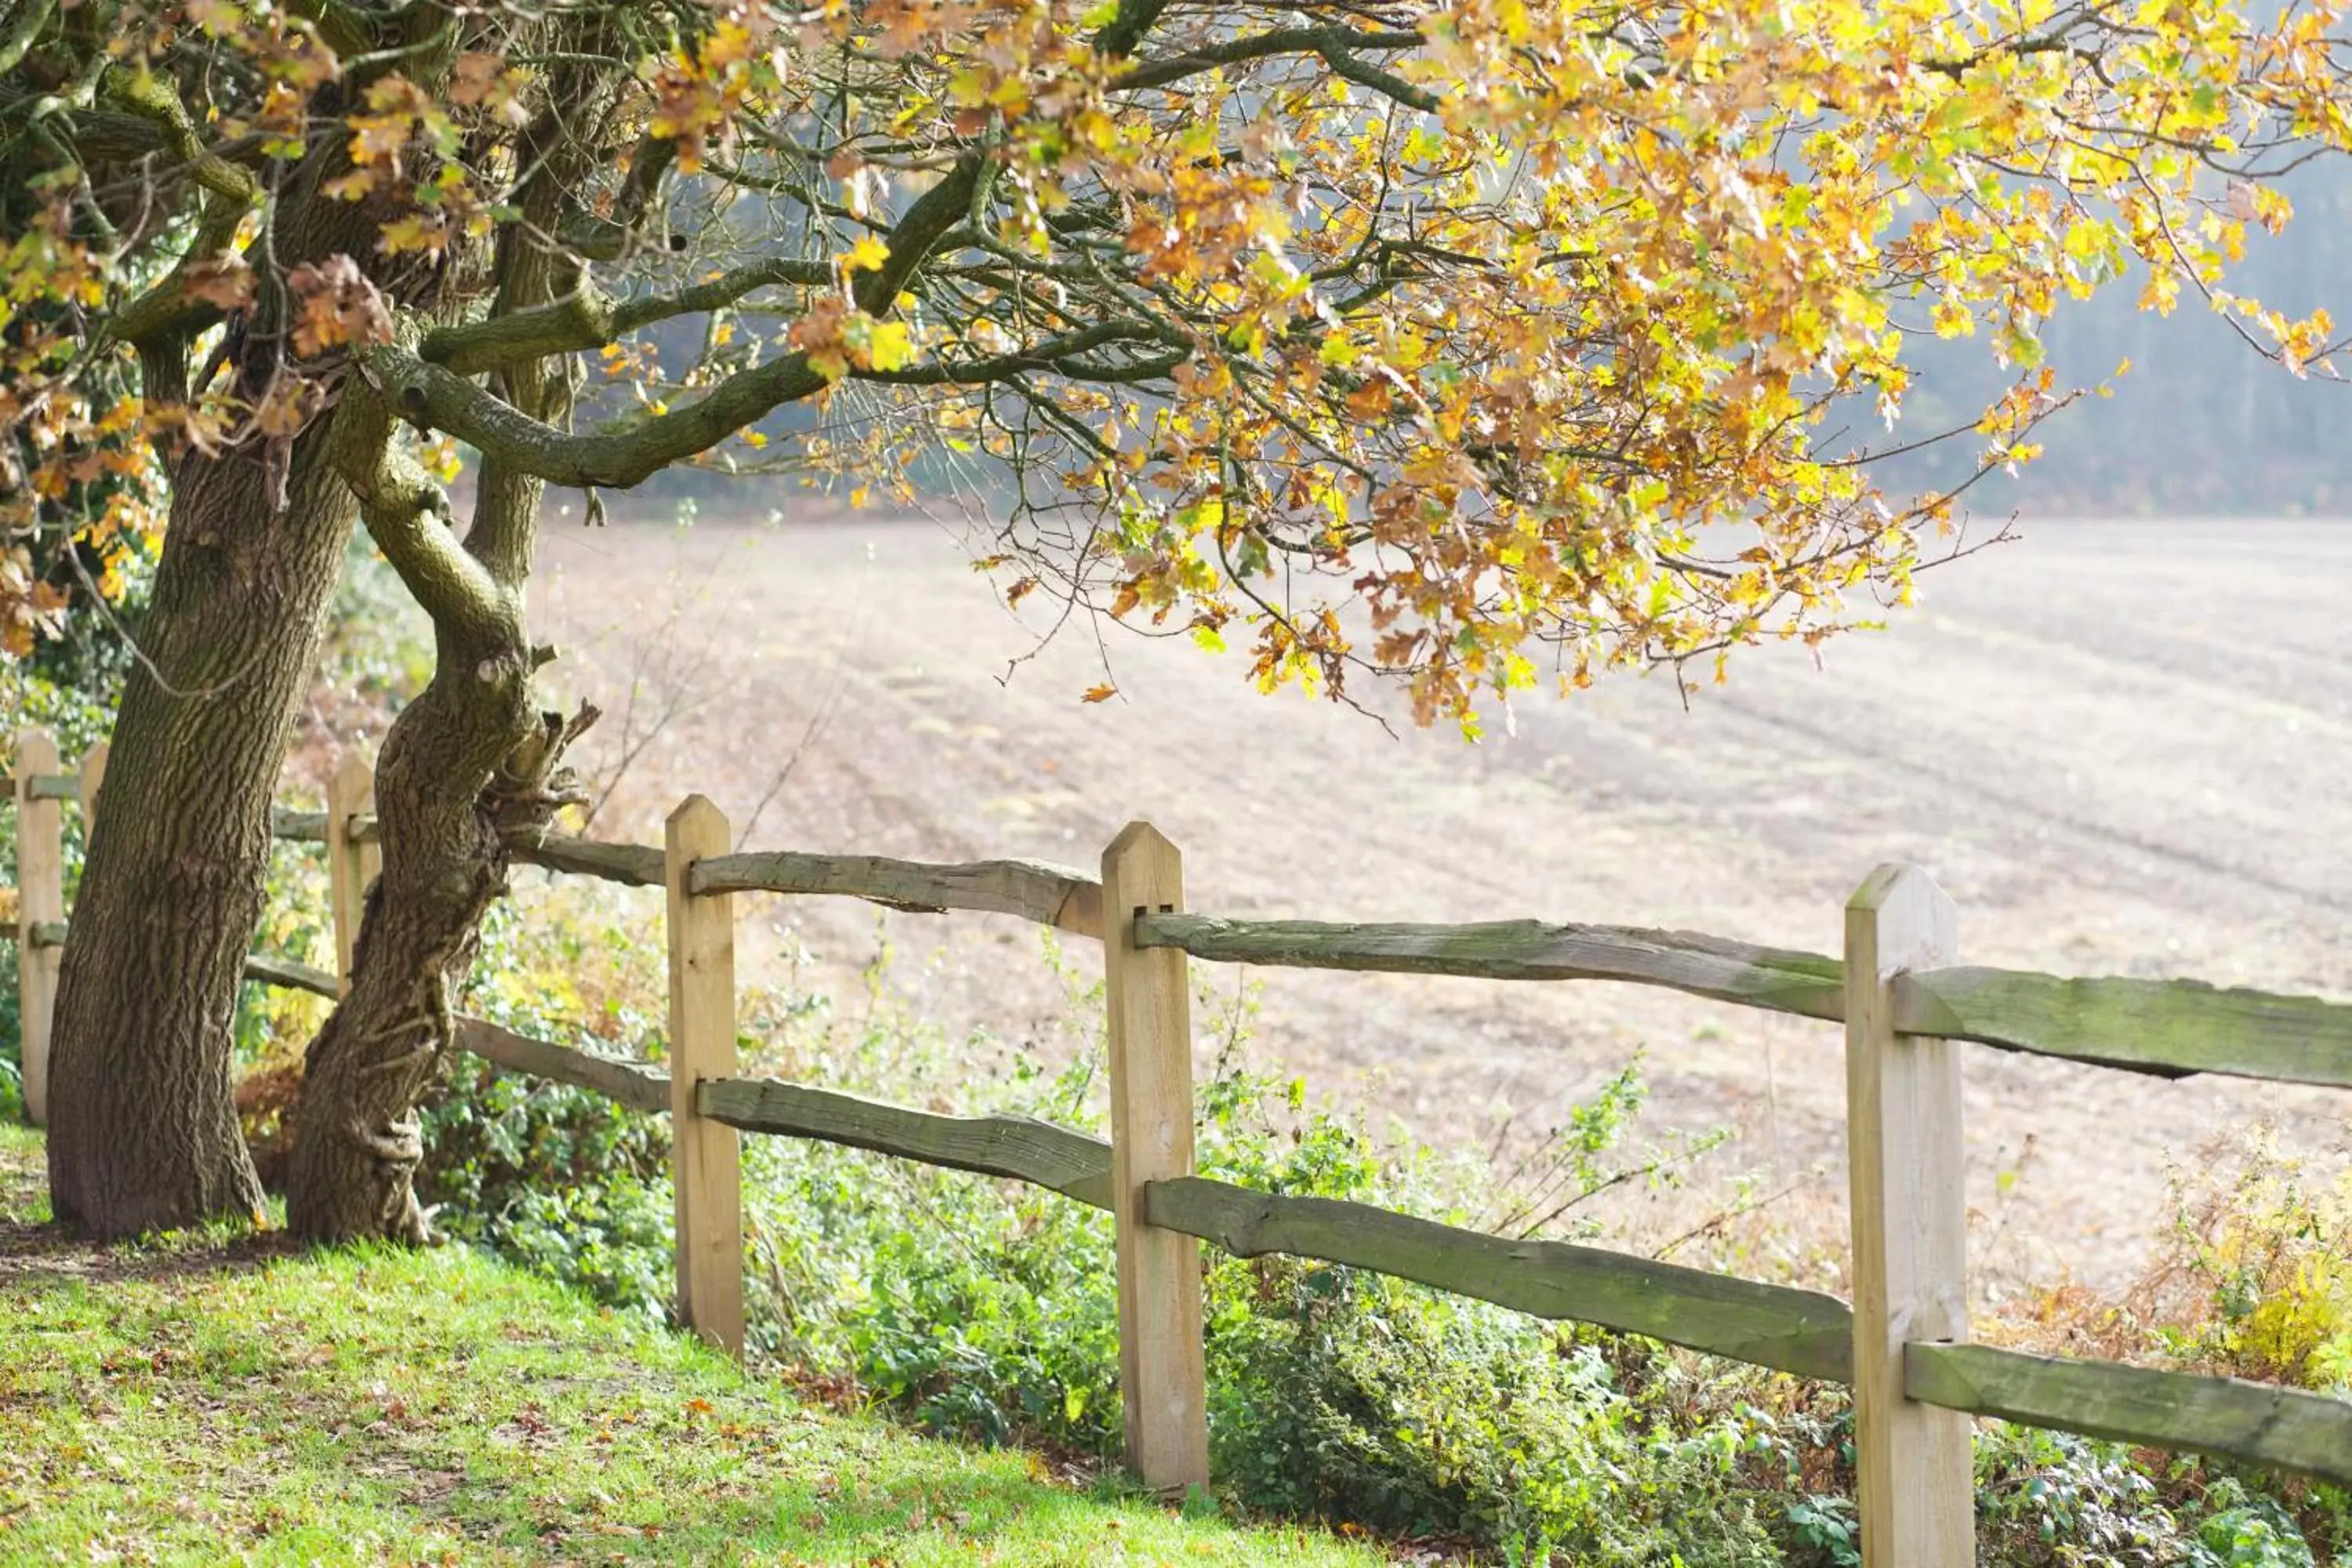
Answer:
(986, 1309)
(562, 1180)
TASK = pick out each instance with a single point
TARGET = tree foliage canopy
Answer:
(1477, 341)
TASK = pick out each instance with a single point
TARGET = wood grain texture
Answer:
(266, 970)
(1148, 1001)
(1906, 1166)
(2172, 1027)
(706, 1161)
(1782, 980)
(40, 902)
(1071, 1163)
(89, 782)
(350, 794)
(2278, 1428)
(2165, 1029)
(1050, 895)
(632, 865)
(1800, 1331)
(640, 1085)
(298, 827)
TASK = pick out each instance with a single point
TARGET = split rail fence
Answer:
(1905, 1001)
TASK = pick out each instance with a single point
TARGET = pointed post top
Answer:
(1134, 835)
(693, 810)
(1899, 897)
(37, 752)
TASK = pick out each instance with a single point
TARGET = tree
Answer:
(1515, 329)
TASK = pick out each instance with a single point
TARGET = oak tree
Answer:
(1473, 344)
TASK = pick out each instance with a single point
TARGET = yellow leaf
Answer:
(891, 346)
(1101, 693)
(867, 256)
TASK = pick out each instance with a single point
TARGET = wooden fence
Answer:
(1902, 1344)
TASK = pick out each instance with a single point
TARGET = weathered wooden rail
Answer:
(1902, 1343)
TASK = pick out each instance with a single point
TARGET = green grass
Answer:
(211, 1399)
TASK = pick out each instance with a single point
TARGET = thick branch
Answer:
(408, 516)
(18, 41)
(586, 318)
(230, 192)
(1332, 43)
(1128, 26)
(434, 399)
(935, 213)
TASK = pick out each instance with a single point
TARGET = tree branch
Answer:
(408, 515)
(230, 192)
(1055, 353)
(586, 318)
(1329, 42)
(935, 213)
(1128, 26)
(435, 398)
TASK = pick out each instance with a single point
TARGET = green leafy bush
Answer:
(563, 1180)
(986, 1309)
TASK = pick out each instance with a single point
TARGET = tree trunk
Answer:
(356, 1145)
(465, 767)
(469, 764)
(142, 1129)
(142, 1125)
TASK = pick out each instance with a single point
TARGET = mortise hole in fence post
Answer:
(40, 900)
(1163, 1384)
(351, 864)
(1910, 1230)
(704, 1155)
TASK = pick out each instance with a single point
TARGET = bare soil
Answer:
(2120, 746)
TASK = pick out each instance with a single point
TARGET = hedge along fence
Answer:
(1905, 1005)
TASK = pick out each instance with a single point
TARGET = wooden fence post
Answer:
(351, 865)
(704, 1155)
(1910, 1230)
(1163, 1384)
(93, 779)
(40, 900)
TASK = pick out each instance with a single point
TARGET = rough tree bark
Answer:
(144, 1130)
(469, 765)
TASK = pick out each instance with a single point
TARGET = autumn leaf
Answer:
(223, 281)
(1099, 694)
(336, 306)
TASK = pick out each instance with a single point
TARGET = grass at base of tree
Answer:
(212, 1400)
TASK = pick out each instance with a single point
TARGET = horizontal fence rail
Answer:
(1805, 984)
(1803, 1332)
(1076, 1164)
(2165, 1028)
(1800, 1332)
(1048, 895)
(1032, 890)
(1902, 1002)
(2260, 1423)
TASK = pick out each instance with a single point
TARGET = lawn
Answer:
(208, 1399)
